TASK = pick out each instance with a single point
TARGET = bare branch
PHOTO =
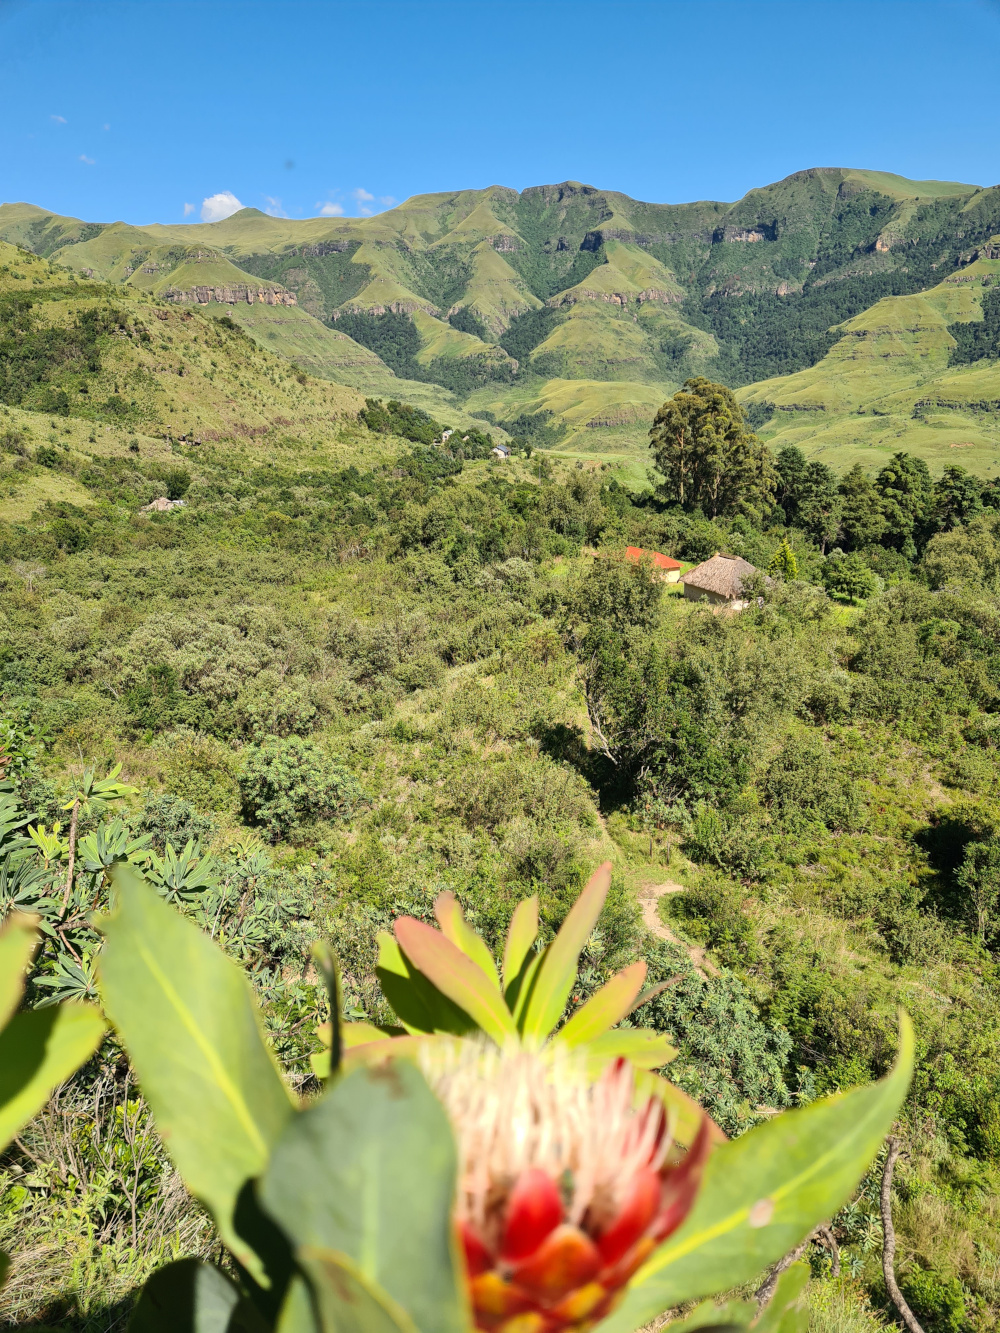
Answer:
(889, 1240)
(768, 1287)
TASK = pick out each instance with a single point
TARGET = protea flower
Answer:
(566, 1184)
(572, 1169)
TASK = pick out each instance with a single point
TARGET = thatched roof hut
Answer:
(719, 579)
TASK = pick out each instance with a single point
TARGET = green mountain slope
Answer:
(293, 333)
(107, 360)
(888, 383)
(499, 299)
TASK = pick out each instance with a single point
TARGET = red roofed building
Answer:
(669, 570)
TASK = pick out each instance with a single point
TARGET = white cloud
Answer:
(219, 206)
(362, 196)
(330, 209)
(188, 210)
(90, 161)
(59, 120)
(274, 208)
(388, 200)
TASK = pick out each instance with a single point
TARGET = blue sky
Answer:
(157, 110)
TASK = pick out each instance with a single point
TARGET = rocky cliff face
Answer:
(235, 294)
(615, 298)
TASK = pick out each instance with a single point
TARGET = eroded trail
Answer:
(649, 899)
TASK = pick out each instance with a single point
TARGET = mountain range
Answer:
(567, 314)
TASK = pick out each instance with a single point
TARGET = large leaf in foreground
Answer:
(347, 1301)
(418, 1004)
(455, 928)
(38, 1051)
(189, 1296)
(765, 1191)
(456, 976)
(556, 973)
(784, 1313)
(188, 1019)
(603, 1010)
(18, 941)
(521, 935)
(368, 1171)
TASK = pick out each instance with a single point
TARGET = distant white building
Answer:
(502, 452)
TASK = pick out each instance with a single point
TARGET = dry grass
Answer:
(839, 1305)
(90, 1207)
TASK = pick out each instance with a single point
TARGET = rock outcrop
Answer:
(231, 294)
(616, 298)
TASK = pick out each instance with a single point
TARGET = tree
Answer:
(791, 467)
(958, 497)
(819, 505)
(783, 562)
(979, 876)
(863, 521)
(708, 457)
(849, 576)
(177, 482)
(620, 592)
(907, 495)
(807, 492)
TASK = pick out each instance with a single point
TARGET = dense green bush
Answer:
(288, 782)
(938, 1302)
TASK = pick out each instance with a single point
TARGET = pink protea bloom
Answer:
(565, 1185)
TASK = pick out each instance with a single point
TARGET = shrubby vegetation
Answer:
(336, 692)
(978, 339)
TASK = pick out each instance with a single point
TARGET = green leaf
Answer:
(765, 1191)
(297, 1313)
(189, 1296)
(684, 1114)
(189, 1021)
(17, 943)
(521, 935)
(518, 993)
(645, 1048)
(326, 962)
(733, 1317)
(38, 1051)
(785, 1312)
(348, 1302)
(454, 927)
(4, 1267)
(604, 1009)
(369, 1171)
(418, 1003)
(557, 973)
(456, 976)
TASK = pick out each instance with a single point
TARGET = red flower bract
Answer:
(566, 1185)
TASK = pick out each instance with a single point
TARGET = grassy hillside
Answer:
(292, 333)
(98, 370)
(887, 385)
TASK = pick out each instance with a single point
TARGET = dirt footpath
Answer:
(649, 902)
